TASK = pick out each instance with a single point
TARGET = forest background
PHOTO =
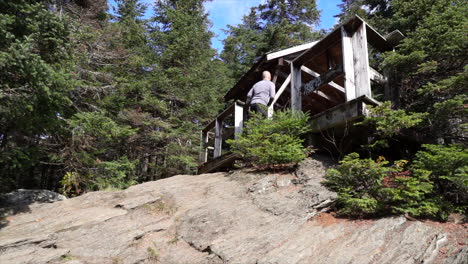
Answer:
(90, 100)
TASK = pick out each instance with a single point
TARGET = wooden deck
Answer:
(330, 79)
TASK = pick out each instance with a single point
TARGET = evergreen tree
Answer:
(349, 8)
(271, 26)
(34, 86)
(129, 15)
(187, 78)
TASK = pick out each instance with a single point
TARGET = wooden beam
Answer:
(348, 64)
(316, 74)
(376, 40)
(277, 96)
(218, 138)
(238, 119)
(342, 114)
(324, 96)
(376, 76)
(319, 48)
(223, 161)
(361, 62)
(289, 51)
(394, 37)
(296, 83)
(323, 80)
(203, 147)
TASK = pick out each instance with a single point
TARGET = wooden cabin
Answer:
(331, 79)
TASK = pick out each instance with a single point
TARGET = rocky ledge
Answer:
(238, 217)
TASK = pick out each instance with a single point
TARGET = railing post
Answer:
(271, 110)
(218, 138)
(203, 147)
(238, 119)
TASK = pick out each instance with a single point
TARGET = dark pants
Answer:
(259, 109)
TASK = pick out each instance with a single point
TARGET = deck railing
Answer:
(213, 141)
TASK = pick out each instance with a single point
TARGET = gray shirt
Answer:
(261, 92)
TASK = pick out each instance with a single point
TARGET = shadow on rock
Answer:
(18, 201)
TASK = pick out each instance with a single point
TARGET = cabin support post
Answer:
(296, 83)
(238, 119)
(348, 65)
(218, 138)
(361, 62)
(203, 147)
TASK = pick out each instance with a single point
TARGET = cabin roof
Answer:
(267, 62)
(280, 59)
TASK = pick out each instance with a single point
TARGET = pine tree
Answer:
(188, 79)
(271, 26)
(34, 86)
(129, 15)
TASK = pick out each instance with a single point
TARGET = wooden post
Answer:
(348, 65)
(203, 147)
(277, 96)
(296, 83)
(238, 119)
(218, 138)
(361, 62)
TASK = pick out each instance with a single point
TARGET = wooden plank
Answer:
(290, 51)
(218, 138)
(223, 161)
(324, 96)
(319, 48)
(316, 74)
(203, 147)
(376, 76)
(361, 62)
(238, 119)
(277, 96)
(376, 40)
(322, 80)
(296, 84)
(348, 64)
(342, 114)
(394, 37)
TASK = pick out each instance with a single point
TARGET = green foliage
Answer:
(189, 80)
(96, 126)
(388, 123)
(273, 141)
(129, 15)
(449, 171)
(271, 26)
(434, 185)
(369, 188)
(117, 174)
(90, 163)
(35, 81)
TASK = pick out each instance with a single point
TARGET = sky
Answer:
(230, 12)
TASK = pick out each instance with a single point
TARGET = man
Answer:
(261, 94)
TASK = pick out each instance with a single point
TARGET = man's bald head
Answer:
(266, 75)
